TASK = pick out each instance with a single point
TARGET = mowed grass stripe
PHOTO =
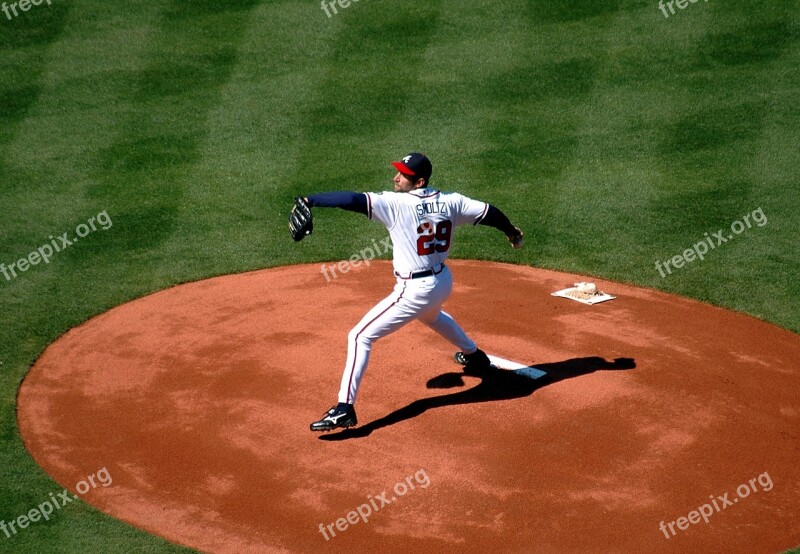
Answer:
(774, 260)
(733, 99)
(372, 67)
(600, 181)
(72, 118)
(536, 137)
(616, 173)
(242, 186)
(25, 44)
(143, 175)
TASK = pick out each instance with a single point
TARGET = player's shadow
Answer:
(496, 384)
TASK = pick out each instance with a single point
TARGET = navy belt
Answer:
(421, 274)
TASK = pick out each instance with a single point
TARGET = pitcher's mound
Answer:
(197, 400)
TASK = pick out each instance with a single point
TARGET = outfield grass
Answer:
(612, 135)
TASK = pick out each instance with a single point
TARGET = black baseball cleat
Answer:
(342, 415)
(473, 363)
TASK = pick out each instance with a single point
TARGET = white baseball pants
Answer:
(411, 299)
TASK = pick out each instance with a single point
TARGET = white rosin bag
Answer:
(585, 293)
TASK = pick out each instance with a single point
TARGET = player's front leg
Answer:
(444, 324)
(384, 318)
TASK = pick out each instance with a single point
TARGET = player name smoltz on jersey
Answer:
(426, 208)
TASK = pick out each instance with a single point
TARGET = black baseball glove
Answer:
(301, 222)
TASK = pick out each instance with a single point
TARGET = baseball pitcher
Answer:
(420, 221)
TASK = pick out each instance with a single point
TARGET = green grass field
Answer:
(614, 136)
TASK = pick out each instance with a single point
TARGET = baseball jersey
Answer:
(421, 223)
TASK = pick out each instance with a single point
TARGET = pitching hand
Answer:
(517, 239)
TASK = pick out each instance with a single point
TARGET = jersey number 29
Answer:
(434, 237)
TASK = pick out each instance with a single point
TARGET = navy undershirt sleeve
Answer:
(346, 200)
(497, 219)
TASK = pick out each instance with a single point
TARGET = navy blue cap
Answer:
(415, 165)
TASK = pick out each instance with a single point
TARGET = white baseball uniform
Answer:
(420, 224)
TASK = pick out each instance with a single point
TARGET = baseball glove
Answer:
(301, 222)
